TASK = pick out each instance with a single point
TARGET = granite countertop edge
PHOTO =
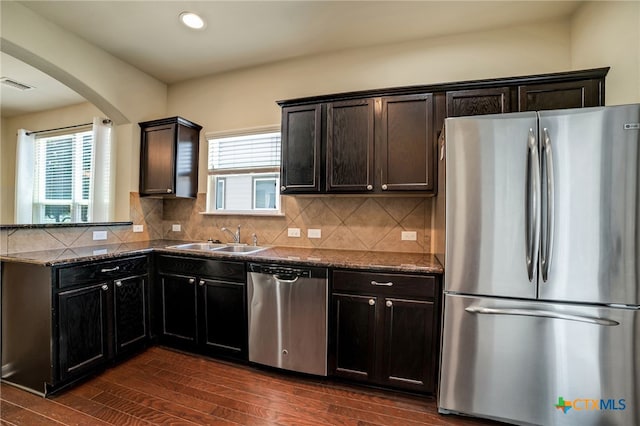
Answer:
(328, 258)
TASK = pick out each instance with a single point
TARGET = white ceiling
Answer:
(239, 34)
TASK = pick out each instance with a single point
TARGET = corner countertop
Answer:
(328, 258)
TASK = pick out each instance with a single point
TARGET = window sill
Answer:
(244, 213)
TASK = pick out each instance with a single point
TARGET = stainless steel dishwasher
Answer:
(287, 308)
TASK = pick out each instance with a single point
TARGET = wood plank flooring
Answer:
(165, 387)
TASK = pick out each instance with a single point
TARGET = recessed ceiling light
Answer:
(192, 20)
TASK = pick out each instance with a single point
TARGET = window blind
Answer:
(244, 152)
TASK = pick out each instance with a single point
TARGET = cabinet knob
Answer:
(105, 287)
(119, 283)
(384, 187)
(372, 302)
(369, 187)
(282, 188)
(389, 303)
(192, 280)
(201, 282)
(168, 190)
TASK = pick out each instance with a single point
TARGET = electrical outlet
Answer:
(314, 233)
(138, 228)
(99, 235)
(409, 236)
(176, 227)
(293, 232)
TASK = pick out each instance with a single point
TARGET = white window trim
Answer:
(211, 198)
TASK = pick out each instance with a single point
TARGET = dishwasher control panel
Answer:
(288, 271)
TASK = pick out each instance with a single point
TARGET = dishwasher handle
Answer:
(283, 280)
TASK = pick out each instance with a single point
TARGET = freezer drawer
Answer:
(517, 361)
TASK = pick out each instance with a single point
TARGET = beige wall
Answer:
(608, 33)
(246, 98)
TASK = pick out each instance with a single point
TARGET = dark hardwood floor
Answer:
(161, 386)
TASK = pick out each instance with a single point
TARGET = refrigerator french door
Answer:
(542, 279)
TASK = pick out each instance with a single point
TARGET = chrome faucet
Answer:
(236, 235)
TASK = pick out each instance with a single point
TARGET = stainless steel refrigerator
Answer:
(542, 274)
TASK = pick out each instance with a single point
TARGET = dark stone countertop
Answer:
(351, 259)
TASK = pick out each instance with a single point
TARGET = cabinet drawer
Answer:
(227, 271)
(101, 271)
(395, 285)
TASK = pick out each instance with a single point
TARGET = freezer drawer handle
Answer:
(389, 284)
(539, 313)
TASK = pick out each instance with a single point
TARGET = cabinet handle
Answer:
(119, 283)
(389, 303)
(389, 284)
(168, 190)
(372, 302)
(384, 187)
(105, 287)
(369, 187)
(201, 282)
(110, 269)
(282, 188)
(192, 280)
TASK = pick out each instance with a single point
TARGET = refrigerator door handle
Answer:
(532, 199)
(547, 235)
(540, 313)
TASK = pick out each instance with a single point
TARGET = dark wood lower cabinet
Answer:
(101, 312)
(204, 312)
(407, 348)
(179, 309)
(84, 329)
(131, 312)
(355, 328)
(225, 326)
(386, 329)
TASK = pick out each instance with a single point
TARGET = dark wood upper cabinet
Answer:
(572, 94)
(350, 142)
(169, 157)
(495, 100)
(301, 149)
(327, 144)
(406, 148)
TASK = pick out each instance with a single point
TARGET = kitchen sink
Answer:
(222, 248)
(240, 249)
(198, 246)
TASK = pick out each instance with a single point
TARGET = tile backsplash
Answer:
(354, 223)
(349, 223)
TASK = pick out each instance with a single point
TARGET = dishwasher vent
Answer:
(15, 84)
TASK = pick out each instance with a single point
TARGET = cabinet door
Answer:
(157, 160)
(409, 349)
(131, 313)
(350, 146)
(406, 143)
(572, 94)
(224, 323)
(186, 164)
(477, 102)
(84, 328)
(301, 149)
(354, 339)
(179, 310)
